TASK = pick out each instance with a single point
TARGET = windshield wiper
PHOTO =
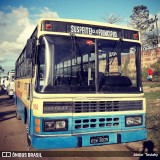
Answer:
(109, 60)
(73, 47)
(116, 49)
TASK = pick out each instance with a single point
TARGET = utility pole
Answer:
(156, 19)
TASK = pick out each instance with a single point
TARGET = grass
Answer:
(153, 118)
(152, 84)
(152, 122)
(152, 96)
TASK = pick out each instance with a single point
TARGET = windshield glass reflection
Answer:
(67, 65)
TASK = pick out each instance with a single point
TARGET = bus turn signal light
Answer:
(135, 36)
(37, 121)
(48, 26)
(37, 129)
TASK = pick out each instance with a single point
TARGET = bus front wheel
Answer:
(28, 140)
(18, 117)
(28, 136)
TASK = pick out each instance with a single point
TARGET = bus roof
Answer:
(12, 71)
(104, 24)
(79, 22)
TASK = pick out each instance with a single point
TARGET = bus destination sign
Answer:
(93, 31)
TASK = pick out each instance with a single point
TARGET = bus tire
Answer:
(28, 140)
(11, 96)
(28, 136)
(18, 117)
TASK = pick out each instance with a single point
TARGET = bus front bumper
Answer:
(74, 141)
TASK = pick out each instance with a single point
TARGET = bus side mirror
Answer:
(30, 48)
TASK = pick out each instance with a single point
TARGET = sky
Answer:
(18, 19)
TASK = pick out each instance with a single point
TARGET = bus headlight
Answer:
(133, 120)
(60, 124)
(55, 125)
(49, 126)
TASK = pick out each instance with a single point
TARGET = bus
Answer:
(4, 83)
(10, 86)
(78, 83)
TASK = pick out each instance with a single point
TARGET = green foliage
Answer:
(156, 71)
(139, 17)
(156, 68)
(144, 73)
(1, 70)
(151, 39)
(152, 97)
(153, 118)
(153, 128)
(140, 20)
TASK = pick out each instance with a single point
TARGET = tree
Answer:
(139, 17)
(156, 67)
(140, 20)
(113, 18)
(151, 39)
(1, 70)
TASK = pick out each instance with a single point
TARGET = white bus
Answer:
(10, 86)
(78, 83)
(4, 83)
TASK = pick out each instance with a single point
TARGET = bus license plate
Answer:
(99, 139)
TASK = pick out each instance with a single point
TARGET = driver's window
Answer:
(42, 64)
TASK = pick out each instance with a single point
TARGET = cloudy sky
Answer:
(18, 18)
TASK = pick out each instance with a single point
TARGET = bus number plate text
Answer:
(99, 139)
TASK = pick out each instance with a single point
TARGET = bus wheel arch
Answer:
(26, 120)
(29, 141)
(18, 117)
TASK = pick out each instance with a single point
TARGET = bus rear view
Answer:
(84, 86)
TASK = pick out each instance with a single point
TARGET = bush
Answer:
(156, 68)
(156, 71)
(144, 73)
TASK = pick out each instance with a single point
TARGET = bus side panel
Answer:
(30, 120)
(20, 108)
(21, 95)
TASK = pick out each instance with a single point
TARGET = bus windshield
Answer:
(68, 64)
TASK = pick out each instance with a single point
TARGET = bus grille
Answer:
(97, 123)
(107, 106)
(91, 106)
